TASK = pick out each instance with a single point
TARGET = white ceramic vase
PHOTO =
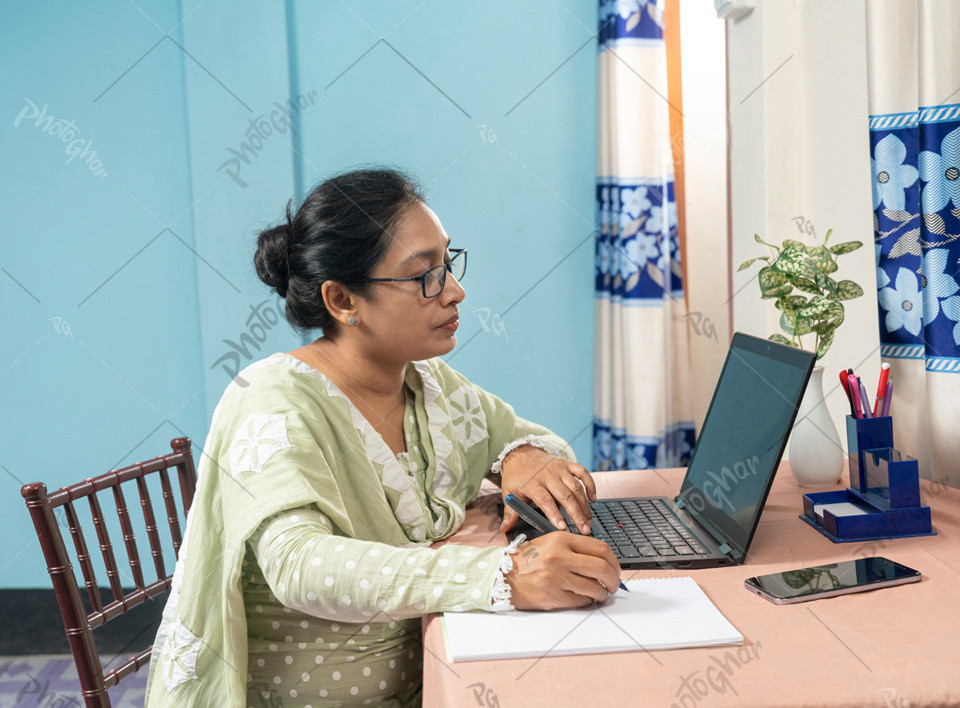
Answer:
(816, 455)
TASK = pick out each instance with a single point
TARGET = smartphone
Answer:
(830, 580)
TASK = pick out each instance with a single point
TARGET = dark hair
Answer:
(340, 232)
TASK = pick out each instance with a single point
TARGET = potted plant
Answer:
(798, 279)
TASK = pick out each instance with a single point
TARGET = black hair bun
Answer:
(272, 259)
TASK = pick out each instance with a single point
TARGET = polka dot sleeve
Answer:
(311, 570)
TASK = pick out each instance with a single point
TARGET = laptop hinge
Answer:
(722, 545)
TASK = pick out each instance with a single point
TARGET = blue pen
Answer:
(538, 521)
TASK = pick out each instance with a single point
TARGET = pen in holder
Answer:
(866, 434)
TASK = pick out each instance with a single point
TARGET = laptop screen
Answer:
(743, 437)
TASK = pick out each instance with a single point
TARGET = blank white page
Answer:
(657, 613)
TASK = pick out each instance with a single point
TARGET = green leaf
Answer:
(825, 341)
(795, 325)
(805, 284)
(825, 326)
(834, 314)
(827, 283)
(747, 264)
(760, 240)
(777, 292)
(789, 243)
(771, 281)
(828, 265)
(846, 290)
(791, 262)
(780, 339)
(827, 237)
(791, 304)
(821, 260)
(815, 308)
(845, 247)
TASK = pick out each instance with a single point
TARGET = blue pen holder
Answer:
(865, 434)
(883, 499)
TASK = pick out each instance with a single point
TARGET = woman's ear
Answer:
(340, 302)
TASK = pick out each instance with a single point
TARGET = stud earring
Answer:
(352, 321)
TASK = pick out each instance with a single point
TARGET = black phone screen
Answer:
(860, 573)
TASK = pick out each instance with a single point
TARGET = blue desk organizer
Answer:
(883, 499)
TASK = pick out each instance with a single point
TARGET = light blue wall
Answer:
(150, 263)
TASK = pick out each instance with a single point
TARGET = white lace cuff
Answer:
(500, 593)
(543, 442)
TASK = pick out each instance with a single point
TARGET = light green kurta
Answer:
(348, 526)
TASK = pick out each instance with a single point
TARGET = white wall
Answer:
(703, 66)
(799, 147)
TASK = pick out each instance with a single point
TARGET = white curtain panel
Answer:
(914, 98)
(642, 416)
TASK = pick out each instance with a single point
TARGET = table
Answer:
(891, 647)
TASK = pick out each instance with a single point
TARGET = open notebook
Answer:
(657, 613)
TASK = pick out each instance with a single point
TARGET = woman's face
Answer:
(400, 324)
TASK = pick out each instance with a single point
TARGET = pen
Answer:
(881, 389)
(864, 400)
(846, 390)
(885, 411)
(854, 394)
(538, 521)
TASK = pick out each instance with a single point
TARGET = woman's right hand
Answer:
(562, 569)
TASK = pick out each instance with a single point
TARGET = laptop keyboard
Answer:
(643, 528)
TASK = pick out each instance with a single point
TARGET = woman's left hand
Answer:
(535, 475)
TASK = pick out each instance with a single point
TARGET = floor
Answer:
(50, 681)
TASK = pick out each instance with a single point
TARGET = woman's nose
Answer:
(452, 290)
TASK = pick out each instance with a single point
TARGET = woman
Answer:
(329, 470)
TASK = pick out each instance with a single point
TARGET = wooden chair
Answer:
(77, 623)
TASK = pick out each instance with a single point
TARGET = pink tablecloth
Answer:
(892, 647)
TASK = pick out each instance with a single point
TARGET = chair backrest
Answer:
(77, 623)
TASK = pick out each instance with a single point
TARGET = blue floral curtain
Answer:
(914, 77)
(641, 410)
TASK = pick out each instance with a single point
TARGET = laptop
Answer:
(711, 522)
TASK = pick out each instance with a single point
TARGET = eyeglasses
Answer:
(433, 280)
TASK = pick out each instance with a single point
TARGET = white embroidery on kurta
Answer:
(180, 655)
(407, 509)
(452, 514)
(467, 417)
(260, 436)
